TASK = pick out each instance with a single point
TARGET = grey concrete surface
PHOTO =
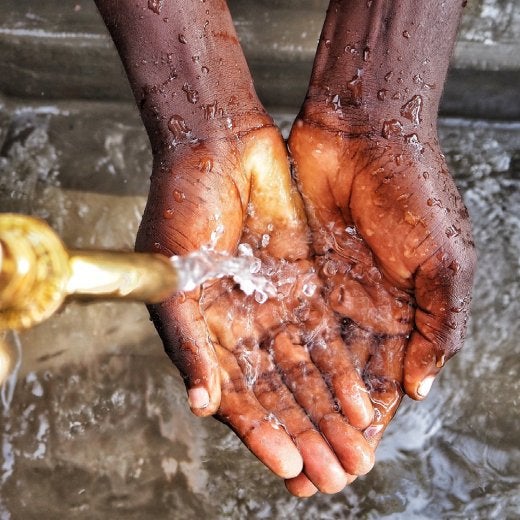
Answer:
(60, 50)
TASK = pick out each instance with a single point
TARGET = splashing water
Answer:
(11, 346)
(203, 265)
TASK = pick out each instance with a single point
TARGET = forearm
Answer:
(186, 69)
(382, 60)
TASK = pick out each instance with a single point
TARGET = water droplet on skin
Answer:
(330, 268)
(178, 195)
(392, 128)
(210, 110)
(397, 96)
(155, 5)
(260, 297)
(441, 360)
(309, 289)
(398, 159)
(411, 219)
(205, 165)
(245, 250)
(454, 265)
(406, 34)
(412, 109)
(204, 70)
(179, 129)
(182, 39)
(426, 175)
(452, 232)
(168, 213)
(434, 202)
(195, 59)
(336, 102)
(413, 140)
(388, 76)
(355, 86)
(265, 240)
(327, 43)
(381, 94)
(192, 95)
(366, 53)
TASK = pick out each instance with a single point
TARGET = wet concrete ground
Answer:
(96, 423)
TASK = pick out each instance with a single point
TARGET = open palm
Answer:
(278, 372)
(393, 241)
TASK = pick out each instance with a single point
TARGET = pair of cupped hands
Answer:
(365, 239)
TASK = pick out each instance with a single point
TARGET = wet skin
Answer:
(368, 243)
(278, 373)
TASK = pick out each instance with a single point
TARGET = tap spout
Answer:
(37, 273)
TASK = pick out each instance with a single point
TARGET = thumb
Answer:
(184, 334)
(442, 289)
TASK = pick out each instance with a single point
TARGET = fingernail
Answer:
(198, 397)
(425, 385)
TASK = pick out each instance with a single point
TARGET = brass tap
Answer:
(37, 273)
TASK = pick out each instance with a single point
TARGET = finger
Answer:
(369, 303)
(259, 372)
(333, 359)
(301, 376)
(301, 486)
(320, 464)
(442, 289)
(310, 391)
(383, 376)
(183, 333)
(352, 449)
(264, 436)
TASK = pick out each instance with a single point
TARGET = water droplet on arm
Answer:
(412, 109)
(178, 195)
(155, 5)
(205, 165)
(209, 110)
(392, 128)
(192, 95)
(355, 86)
(180, 130)
(336, 102)
(381, 94)
(182, 39)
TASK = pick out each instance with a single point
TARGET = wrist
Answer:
(187, 71)
(381, 61)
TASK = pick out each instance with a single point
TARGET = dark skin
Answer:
(310, 379)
